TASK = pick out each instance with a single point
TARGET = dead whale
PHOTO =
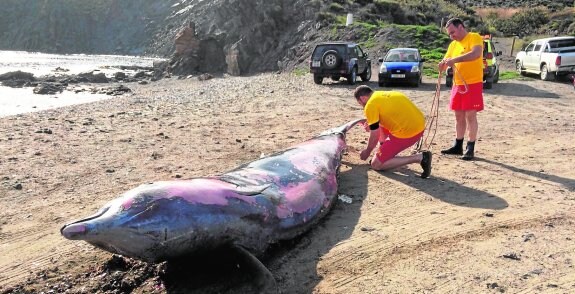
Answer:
(257, 204)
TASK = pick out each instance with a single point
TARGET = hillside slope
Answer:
(267, 35)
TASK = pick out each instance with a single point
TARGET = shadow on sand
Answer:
(568, 183)
(448, 191)
(516, 88)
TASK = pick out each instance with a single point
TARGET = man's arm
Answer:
(476, 52)
(371, 144)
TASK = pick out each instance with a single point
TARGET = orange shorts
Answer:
(470, 100)
(389, 148)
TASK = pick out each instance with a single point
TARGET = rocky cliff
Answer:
(65, 26)
(251, 32)
(243, 36)
(234, 36)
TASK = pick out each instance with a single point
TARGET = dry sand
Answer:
(501, 223)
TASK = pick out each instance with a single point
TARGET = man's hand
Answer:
(445, 63)
(364, 154)
(366, 127)
(442, 66)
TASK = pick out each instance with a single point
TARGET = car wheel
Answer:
(366, 76)
(317, 79)
(352, 78)
(545, 74)
(448, 82)
(331, 59)
(519, 68)
(496, 77)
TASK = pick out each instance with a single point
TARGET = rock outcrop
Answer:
(200, 55)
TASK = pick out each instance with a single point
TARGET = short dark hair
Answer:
(455, 22)
(362, 90)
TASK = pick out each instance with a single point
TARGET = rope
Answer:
(455, 70)
(431, 121)
(433, 115)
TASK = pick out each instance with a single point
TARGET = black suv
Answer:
(339, 59)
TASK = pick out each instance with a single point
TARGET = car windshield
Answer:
(401, 56)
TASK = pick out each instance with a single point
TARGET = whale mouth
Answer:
(77, 228)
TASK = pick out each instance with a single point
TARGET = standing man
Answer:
(464, 55)
(396, 123)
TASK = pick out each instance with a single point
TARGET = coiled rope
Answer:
(426, 141)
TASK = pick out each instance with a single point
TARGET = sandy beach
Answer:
(501, 223)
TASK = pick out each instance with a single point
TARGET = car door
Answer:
(533, 56)
(361, 60)
(420, 60)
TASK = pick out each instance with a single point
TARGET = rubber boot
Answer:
(426, 164)
(456, 149)
(469, 152)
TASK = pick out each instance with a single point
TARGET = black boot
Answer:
(469, 153)
(426, 164)
(456, 149)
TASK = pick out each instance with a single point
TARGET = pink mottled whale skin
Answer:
(262, 202)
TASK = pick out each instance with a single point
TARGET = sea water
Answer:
(21, 100)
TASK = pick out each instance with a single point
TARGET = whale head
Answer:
(155, 222)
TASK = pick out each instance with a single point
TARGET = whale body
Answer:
(274, 198)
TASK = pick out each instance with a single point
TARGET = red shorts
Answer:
(393, 145)
(470, 100)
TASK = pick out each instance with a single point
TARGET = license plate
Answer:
(401, 76)
(315, 63)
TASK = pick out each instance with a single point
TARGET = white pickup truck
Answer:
(549, 57)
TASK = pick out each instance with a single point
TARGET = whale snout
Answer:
(79, 228)
(74, 231)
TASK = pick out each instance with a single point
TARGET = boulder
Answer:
(17, 75)
(186, 41)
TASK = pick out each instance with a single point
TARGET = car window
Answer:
(537, 46)
(401, 56)
(530, 47)
(359, 51)
(353, 52)
(321, 49)
(392, 57)
(485, 48)
(562, 43)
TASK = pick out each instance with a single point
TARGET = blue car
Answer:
(401, 65)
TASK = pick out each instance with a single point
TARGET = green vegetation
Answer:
(300, 71)
(336, 7)
(508, 75)
(432, 58)
(367, 32)
(524, 22)
(424, 37)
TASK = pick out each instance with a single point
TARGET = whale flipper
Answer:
(265, 281)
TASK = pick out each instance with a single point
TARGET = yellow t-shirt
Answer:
(471, 71)
(394, 112)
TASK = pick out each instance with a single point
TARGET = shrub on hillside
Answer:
(524, 22)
